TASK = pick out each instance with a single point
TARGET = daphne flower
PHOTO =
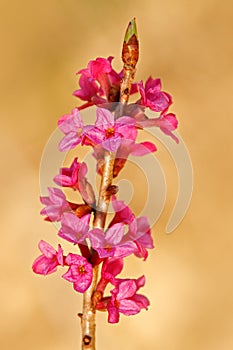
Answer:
(104, 243)
(55, 204)
(74, 229)
(123, 213)
(72, 176)
(89, 90)
(79, 272)
(100, 80)
(71, 125)
(97, 67)
(109, 132)
(167, 123)
(110, 269)
(140, 234)
(152, 96)
(101, 70)
(75, 177)
(125, 299)
(111, 243)
(49, 260)
(139, 228)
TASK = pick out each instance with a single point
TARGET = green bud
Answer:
(131, 30)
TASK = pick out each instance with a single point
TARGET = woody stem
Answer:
(88, 316)
(129, 57)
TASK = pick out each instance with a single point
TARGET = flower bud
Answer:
(130, 50)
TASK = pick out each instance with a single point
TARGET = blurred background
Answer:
(188, 44)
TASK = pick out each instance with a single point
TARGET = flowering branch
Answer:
(113, 138)
(129, 57)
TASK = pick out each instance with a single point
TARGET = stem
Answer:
(104, 195)
(88, 316)
(130, 58)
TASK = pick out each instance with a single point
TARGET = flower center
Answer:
(109, 132)
(117, 304)
(81, 269)
(79, 132)
(108, 248)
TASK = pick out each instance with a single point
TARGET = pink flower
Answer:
(110, 269)
(100, 79)
(55, 204)
(74, 229)
(101, 70)
(97, 67)
(72, 176)
(49, 260)
(140, 234)
(167, 122)
(89, 90)
(114, 243)
(110, 132)
(123, 213)
(152, 96)
(111, 243)
(79, 272)
(125, 299)
(71, 125)
(142, 148)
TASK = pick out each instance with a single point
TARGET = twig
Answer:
(130, 58)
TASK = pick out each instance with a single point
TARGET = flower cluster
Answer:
(126, 234)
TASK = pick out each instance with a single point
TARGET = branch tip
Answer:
(131, 30)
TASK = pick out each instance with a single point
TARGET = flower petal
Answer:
(104, 119)
(115, 233)
(69, 141)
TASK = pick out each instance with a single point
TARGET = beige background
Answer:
(189, 276)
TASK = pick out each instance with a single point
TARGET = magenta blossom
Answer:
(100, 83)
(167, 123)
(79, 272)
(139, 229)
(71, 125)
(109, 132)
(89, 90)
(101, 70)
(110, 269)
(152, 96)
(125, 299)
(111, 242)
(49, 260)
(123, 213)
(96, 68)
(72, 176)
(140, 234)
(74, 229)
(55, 204)
(128, 147)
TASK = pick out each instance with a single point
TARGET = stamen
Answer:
(109, 132)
